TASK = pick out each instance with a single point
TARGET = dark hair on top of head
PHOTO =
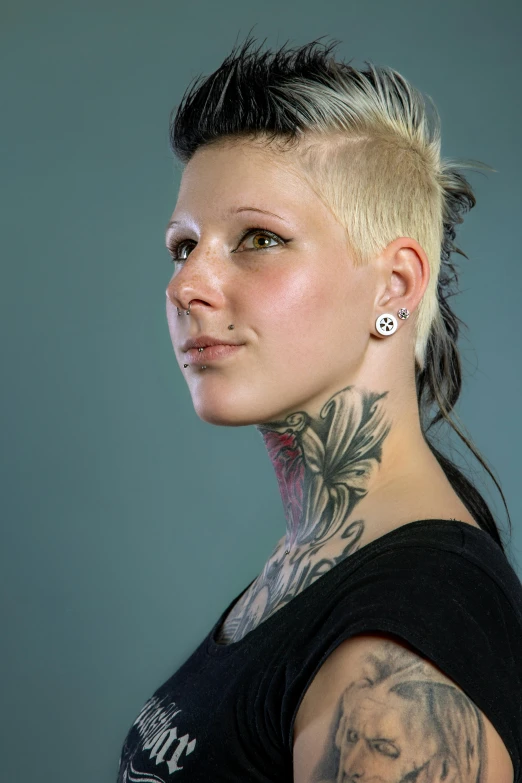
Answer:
(370, 127)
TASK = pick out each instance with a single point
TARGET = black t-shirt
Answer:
(444, 587)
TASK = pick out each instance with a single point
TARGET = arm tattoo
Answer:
(401, 721)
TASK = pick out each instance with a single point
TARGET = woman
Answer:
(311, 243)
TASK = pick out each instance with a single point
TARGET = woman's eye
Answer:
(265, 235)
(177, 248)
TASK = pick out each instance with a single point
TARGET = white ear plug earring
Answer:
(387, 323)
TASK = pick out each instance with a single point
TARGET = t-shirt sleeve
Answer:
(446, 607)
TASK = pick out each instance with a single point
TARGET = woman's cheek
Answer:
(291, 296)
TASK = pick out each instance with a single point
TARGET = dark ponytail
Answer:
(439, 383)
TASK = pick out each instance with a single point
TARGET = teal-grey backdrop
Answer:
(127, 523)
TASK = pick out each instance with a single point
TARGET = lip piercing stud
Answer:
(200, 349)
(203, 366)
(231, 326)
(185, 365)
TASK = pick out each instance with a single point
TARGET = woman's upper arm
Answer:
(378, 711)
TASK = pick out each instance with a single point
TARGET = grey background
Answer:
(127, 523)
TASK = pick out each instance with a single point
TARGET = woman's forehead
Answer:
(221, 183)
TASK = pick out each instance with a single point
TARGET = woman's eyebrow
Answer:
(235, 210)
(263, 211)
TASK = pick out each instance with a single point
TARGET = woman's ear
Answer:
(405, 272)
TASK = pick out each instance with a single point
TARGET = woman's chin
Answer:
(229, 411)
(223, 418)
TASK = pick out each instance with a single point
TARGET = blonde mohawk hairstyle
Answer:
(369, 145)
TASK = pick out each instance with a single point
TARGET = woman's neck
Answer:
(326, 465)
(337, 471)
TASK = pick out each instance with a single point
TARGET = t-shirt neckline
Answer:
(214, 648)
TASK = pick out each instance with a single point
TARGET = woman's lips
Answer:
(210, 353)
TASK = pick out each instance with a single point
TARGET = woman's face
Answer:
(301, 311)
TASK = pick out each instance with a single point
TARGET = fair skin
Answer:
(351, 461)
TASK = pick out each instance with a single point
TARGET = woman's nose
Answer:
(201, 279)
